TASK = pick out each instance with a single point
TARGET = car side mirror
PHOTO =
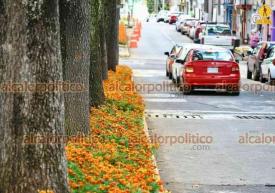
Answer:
(180, 61)
(273, 61)
(166, 53)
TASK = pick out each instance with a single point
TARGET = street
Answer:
(226, 164)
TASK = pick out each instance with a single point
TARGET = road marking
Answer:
(164, 100)
(148, 73)
(196, 112)
(166, 95)
(164, 115)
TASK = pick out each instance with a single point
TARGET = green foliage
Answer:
(78, 174)
(122, 105)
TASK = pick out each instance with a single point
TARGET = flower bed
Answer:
(117, 156)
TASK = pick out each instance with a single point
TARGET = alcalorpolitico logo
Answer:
(257, 139)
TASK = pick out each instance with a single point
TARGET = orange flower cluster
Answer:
(119, 159)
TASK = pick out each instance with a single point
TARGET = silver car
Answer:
(267, 71)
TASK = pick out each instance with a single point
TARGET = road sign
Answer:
(264, 14)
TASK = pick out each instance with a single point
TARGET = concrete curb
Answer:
(153, 158)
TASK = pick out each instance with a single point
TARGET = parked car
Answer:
(174, 17)
(218, 35)
(151, 17)
(193, 29)
(177, 68)
(167, 16)
(186, 24)
(171, 57)
(196, 29)
(255, 59)
(161, 15)
(190, 25)
(267, 71)
(210, 67)
(180, 20)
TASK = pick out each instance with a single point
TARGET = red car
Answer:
(173, 18)
(210, 67)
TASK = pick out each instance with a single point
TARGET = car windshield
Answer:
(213, 55)
(218, 30)
(224, 30)
(184, 51)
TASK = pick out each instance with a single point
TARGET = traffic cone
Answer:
(137, 32)
(133, 44)
(135, 37)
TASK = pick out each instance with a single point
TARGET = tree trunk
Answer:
(75, 45)
(111, 27)
(103, 46)
(30, 54)
(96, 86)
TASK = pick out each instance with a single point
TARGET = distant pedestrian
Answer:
(254, 39)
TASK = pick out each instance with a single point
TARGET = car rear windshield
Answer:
(218, 30)
(213, 55)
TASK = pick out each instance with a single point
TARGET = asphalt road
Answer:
(227, 163)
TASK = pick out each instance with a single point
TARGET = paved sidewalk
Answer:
(124, 51)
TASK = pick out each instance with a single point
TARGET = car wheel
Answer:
(235, 93)
(233, 90)
(167, 73)
(178, 82)
(170, 75)
(262, 79)
(270, 80)
(248, 74)
(186, 89)
(197, 41)
(256, 75)
(173, 80)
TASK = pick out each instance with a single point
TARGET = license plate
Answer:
(212, 70)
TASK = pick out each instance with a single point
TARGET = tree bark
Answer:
(75, 19)
(103, 46)
(30, 53)
(111, 27)
(96, 86)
